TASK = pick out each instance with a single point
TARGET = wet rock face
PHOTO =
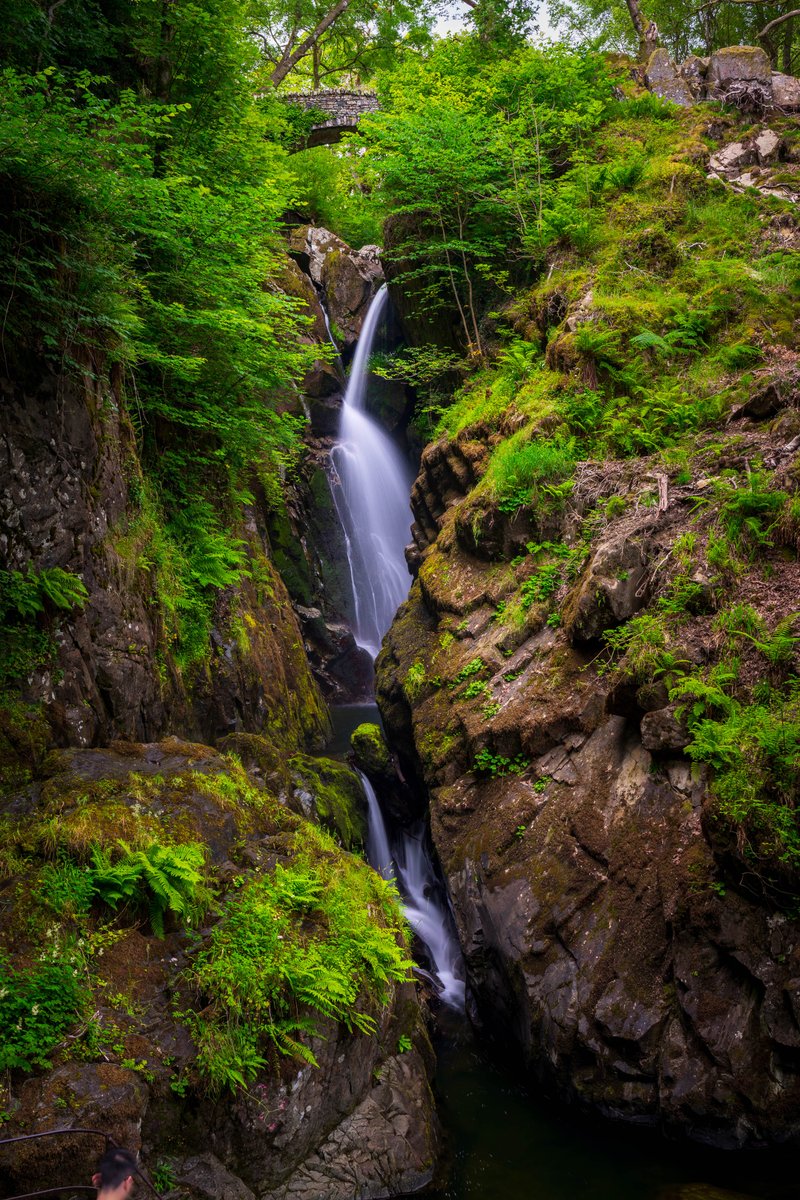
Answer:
(603, 936)
(362, 1125)
(65, 501)
(385, 1147)
(69, 451)
(346, 278)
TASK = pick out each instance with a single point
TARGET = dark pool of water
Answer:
(506, 1143)
(344, 719)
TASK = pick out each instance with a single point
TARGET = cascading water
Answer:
(373, 506)
(371, 502)
(425, 912)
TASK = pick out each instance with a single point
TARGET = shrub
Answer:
(324, 936)
(523, 471)
(640, 651)
(38, 1004)
(749, 514)
(487, 763)
(29, 600)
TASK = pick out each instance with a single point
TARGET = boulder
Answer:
(608, 592)
(732, 158)
(664, 79)
(768, 145)
(735, 63)
(370, 749)
(694, 71)
(386, 1147)
(347, 279)
(203, 1177)
(785, 91)
(79, 1096)
(664, 730)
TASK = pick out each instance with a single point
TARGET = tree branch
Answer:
(290, 60)
(778, 21)
(716, 3)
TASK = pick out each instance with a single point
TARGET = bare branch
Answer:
(290, 60)
(778, 21)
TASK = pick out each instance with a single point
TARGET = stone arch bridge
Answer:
(343, 108)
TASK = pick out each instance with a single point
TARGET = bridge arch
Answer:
(343, 108)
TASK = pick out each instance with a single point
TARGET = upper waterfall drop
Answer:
(372, 501)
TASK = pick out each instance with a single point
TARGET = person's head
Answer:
(115, 1174)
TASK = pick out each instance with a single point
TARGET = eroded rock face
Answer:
(384, 1147)
(611, 587)
(600, 930)
(756, 162)
(347, 279)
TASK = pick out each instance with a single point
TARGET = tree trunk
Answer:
(788, 33)
(646, 31)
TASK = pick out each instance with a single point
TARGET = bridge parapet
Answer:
(345, 109)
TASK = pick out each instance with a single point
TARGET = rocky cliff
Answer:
(128, 851)
(595, 675)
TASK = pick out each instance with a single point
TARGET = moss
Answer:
(24, 739)
(291, 562)
(370, 749)
(331, 793)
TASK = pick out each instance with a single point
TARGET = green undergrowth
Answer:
(318, 935)
(739, 698)
(31, 603)
(642, 336)
(323, 937)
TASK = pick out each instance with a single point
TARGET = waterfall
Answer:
(371, 494)
(379, 853)
(371, 501)
(427, 914)
(424, 907)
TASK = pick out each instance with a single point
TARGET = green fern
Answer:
(329, 940)
(161, 878)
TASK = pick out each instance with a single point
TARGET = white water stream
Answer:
(372, 501)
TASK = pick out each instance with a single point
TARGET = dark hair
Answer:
(115, 1166)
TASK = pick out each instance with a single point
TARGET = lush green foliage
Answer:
(329, 186)
(29, 604)
(140, 241)
(498, 765)
(322, 937)
(526, 472)
(159, 878)
(38, 1005)
(465, 151)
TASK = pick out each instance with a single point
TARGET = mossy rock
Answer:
(370, 750)
(331, 794)
(24, 739)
